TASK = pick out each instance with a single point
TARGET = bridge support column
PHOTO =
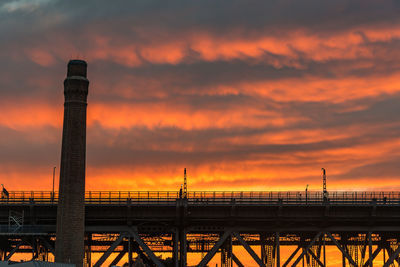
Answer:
(46, 243)
(182, 248)
(278, 250)
(226, 253)
(130, 244)
(175, 248)
(263, 248)
(324, 248)
(88, 250)
(370, 249)
(268, 252)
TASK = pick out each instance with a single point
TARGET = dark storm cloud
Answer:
(164, 146)
(382, 169)
(56, 22)
(34, 147)
(129, 66)
(377, 111)
(180, 14)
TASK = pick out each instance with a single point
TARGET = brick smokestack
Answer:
(71, 205)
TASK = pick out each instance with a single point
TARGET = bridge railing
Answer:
(212, 197)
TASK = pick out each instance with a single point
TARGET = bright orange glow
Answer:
(244, 103)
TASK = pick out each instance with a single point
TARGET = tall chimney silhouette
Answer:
(71, 204)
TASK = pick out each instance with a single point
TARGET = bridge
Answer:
(360, 225)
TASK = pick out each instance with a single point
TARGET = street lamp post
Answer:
(54, 174)
(306, 194)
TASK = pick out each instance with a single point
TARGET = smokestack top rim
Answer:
(77, 62)
(77, 67)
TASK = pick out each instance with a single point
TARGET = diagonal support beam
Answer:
(376, 252)
(13, 251)
(214, 249)
(237, 261)
(291, 257)
(390, 252)
(306, 249)
(249, 249)
(341, 249)
(391, 259)
(315, 258)
(48, 246)
(145, 248)
(107, 254)
(118, 258)
(136, 248)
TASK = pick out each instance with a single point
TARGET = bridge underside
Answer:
(274, 233)
(265, 248)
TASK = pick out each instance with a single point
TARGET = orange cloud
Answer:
(160, 115)
(291, 43)
(27, 114)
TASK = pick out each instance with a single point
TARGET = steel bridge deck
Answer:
(210, 222)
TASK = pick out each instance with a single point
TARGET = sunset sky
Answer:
(247, 95)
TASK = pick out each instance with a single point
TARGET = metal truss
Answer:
(363, 227)
(307, 249)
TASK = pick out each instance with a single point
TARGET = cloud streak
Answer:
(247, 96)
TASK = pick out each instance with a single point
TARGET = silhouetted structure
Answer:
(361, 226)
(4, 193)
(71, 208)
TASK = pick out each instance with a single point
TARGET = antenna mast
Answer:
(324, 183)
(184, 184)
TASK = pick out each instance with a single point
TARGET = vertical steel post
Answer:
(182, 246)
(130, 263)
(88, 250)
(324, 251)
(384, 255)
(175, 256)
(52, 192)
(278, 253)
(263, 249)
(370, 249)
